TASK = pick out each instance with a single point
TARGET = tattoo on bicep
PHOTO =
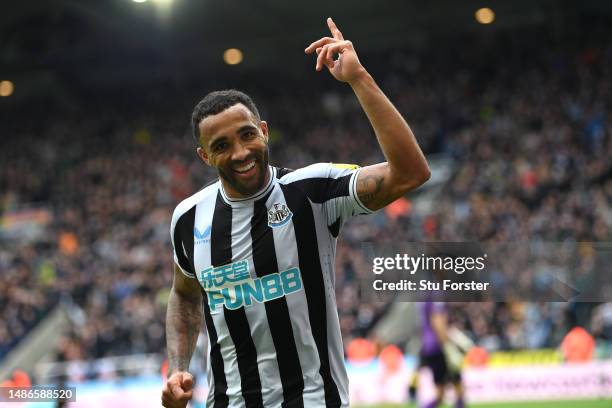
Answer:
(369, 187)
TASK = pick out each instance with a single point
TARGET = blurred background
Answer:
(511, 102)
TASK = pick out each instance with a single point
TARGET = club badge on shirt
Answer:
(278, 215)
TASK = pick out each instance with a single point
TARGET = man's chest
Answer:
(249, 256)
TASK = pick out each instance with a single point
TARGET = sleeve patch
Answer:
(343, 166)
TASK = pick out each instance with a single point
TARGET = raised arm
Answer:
(183, 321)
(406, 167)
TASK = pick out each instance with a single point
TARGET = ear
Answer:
(203, 156)
(263, 125)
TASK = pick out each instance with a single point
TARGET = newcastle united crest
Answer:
(279, 215)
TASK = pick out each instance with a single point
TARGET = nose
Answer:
(240, 152)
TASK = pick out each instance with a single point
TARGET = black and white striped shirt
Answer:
(266, 268)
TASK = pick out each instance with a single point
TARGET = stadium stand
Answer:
(87, 192)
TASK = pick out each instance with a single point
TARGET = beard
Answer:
(253, 186)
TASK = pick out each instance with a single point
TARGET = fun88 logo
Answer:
(264, 289)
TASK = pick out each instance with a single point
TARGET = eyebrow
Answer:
(220, 139)
(246, 127)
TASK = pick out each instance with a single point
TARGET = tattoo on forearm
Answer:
(369, 187)
(183, 322)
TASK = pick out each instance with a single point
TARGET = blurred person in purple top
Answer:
(430, 343)
(435, 349)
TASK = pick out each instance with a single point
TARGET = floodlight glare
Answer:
(232, 56)
(6, 88)
(485, 15)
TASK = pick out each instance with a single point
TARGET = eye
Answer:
(250, 134)
(219, 147)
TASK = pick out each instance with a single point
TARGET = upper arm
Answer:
(186, 287)
(378, 186)
(374, 187)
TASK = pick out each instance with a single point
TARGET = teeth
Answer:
(246, 167)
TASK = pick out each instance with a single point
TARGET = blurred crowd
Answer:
(524, 118)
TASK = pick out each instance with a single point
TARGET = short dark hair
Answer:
(216, 102)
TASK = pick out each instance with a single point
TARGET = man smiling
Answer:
(235, 141)
(265, 278)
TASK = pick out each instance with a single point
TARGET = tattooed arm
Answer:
(183, 321)
(406, 167)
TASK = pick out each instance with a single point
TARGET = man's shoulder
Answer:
(193, 200)
(316, 170)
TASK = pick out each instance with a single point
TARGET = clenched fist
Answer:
(178, 390)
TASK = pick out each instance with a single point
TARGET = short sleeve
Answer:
(182, 241)
(334, 186)
(342, 207)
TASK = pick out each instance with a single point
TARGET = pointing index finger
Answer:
(334, 30)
